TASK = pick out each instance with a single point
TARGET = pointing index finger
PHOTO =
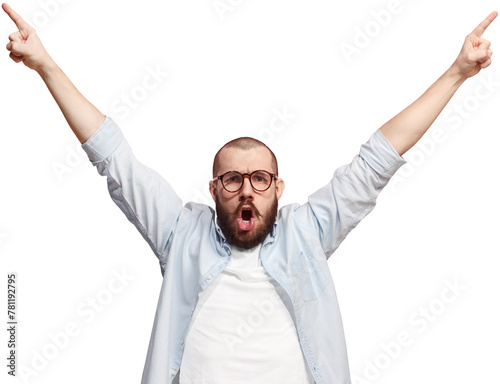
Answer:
(18, 20)
(485, 24)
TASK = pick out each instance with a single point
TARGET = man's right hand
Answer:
(24, 45)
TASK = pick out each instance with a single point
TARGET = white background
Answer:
(227, 74)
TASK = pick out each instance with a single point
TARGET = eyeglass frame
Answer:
(273, 176)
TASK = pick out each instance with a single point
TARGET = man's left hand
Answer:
(476, 53)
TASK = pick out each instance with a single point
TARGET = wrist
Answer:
(47, 67)
(456, 75)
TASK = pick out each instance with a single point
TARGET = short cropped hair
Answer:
(244, 143)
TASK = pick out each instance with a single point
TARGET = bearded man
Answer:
(247, 295)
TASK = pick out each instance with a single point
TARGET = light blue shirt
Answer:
(192, 249)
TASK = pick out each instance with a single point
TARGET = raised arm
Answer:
(405, 129)
(143, 195)
(25, 46)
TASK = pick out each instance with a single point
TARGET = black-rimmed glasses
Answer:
(232, 181)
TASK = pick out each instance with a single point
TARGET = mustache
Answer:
(250, 204)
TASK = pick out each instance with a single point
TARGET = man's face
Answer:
(246, 217)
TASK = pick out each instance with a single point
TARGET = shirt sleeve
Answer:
(144, 196)
(338, 207)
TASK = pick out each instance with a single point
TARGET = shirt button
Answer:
(209, 277)
(192, 309)
(173, 372)
(182, 341)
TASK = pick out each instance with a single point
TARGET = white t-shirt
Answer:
(241, 331)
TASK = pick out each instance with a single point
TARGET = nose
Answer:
(246, 191)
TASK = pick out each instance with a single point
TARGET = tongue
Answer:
(245, 225)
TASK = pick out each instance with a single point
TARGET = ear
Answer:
(280, 187)
(213, 189)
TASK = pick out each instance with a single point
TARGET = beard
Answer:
(228, 224)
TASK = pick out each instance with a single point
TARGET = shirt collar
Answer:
(220, 235)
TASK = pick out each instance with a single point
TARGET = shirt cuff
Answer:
(103, 141)
(381, 155)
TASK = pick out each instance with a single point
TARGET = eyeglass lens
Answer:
(233, 181)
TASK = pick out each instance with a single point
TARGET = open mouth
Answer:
(246, 214)
(246, 219)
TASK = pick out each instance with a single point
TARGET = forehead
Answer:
(245, 160)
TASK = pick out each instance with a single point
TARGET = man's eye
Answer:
(261, 178)
(233, 179)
